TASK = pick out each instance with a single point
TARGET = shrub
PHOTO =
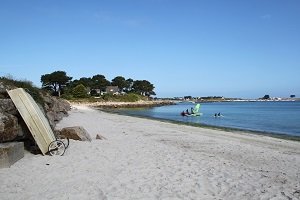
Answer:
(131, 97)
(79, 91)
(108, 97)
(27, 85)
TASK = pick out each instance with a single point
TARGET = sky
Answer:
(230, 48)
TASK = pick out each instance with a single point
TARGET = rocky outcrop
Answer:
(7, 106)
(11, 123)
(9, 127)
(75, 133)
(55, 109)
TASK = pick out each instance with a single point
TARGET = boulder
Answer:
(75, 133)
(3, 88)
(7, 105)
(51, 116)
(55, 109)
(9, 127)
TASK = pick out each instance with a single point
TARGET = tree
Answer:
(79, 91)
(143, 87)
(129, 83)
(87, 82)
(120, 82)
(100, 82)
(55, 81)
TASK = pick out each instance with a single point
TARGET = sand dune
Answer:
(147, 159)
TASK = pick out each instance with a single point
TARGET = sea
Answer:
(270, 117)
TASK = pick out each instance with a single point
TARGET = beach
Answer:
(148, 159)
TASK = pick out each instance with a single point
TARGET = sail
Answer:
(196, 108)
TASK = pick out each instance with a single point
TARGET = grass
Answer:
(27, 85)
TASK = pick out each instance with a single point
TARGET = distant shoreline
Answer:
(116, 104)
(236, 100)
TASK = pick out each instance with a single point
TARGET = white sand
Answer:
(146, 159)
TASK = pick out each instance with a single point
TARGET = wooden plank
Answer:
(34, 118)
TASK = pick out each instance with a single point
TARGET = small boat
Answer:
(36, 122)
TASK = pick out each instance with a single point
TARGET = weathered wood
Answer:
(35, 120)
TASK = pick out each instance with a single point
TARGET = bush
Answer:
(27, 85)
(123, 98)
(131, 97)
(108, 97)
(79, 91)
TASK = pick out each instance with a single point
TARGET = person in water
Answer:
(187, 112)
(218, 115)
(192, 110)
(184, 113)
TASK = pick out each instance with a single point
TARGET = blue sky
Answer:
(231, 48)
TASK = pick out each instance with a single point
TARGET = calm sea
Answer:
(270, 117)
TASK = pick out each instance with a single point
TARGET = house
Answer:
(112, 90)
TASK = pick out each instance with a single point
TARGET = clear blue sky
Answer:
(231, 48)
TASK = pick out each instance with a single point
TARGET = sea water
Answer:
(267, 116)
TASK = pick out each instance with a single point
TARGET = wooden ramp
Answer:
(34, 118)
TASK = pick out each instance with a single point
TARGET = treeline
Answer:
(59, 83)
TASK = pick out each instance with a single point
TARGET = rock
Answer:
(55, 109)
(57, 133)
(11, 153)
(7, 105)
(9, 127)
(75, 133)
(3, 88)
(100, 137)
(13, 127)
(51, 116)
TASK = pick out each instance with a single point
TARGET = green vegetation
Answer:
(143, 87)
(79, 91)
(55, 81)
(27, 85)
(131, 97)
(88, 87)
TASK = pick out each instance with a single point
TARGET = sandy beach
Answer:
(147, 159)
